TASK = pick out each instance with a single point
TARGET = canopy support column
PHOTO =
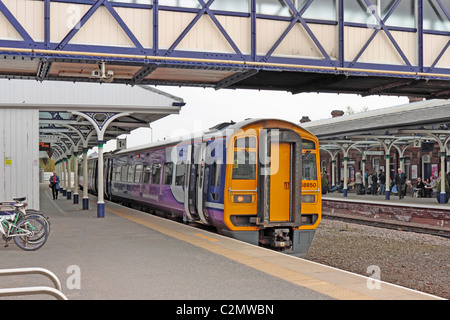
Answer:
(100, 122)
(75, 183)
(85, 179)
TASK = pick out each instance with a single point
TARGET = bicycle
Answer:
(20, 206)
(28, 233)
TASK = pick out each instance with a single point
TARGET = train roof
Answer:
(221, 129)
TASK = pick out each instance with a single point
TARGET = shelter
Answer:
(412, 137)
(66, 117)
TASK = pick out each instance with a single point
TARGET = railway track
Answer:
(388, 224)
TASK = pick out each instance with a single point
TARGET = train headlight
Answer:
(308, 198)
(242, 198)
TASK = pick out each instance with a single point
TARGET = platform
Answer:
(409, 211)
(133, 255)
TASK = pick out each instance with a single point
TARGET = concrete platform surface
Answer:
(134, 255)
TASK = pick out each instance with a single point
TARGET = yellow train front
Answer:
(272, 186)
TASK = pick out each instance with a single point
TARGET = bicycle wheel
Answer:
(30, 234)
(40, 217)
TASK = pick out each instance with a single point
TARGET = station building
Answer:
(413, 137)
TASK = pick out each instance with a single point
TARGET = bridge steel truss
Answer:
(169, 46)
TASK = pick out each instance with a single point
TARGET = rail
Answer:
(55, 292)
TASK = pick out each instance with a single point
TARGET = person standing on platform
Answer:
(54, 184)
(374, 183)
(358, 182)
(382, 179)
(400, 182)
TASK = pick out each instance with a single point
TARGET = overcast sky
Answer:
(207, 107)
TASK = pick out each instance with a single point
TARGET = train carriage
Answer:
(256, 181)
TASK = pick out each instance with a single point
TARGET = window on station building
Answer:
(223, 5)
(180, 3)
(133, 1)
(434, 17)
(231, 5)
(273, 8)
(318, 9)
(407, 166)
(357, 11)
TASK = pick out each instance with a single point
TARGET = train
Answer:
(257, 181)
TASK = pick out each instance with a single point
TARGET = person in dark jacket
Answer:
(382, 179)
(374, 183)
(54, 184)
(400, 182)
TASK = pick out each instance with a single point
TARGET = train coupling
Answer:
(278, 239)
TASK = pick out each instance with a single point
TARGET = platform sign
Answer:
(374, 153)
(121, 144)
(44, 146)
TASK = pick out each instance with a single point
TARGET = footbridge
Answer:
(381, 47)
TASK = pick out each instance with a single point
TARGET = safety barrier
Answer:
(10, 292)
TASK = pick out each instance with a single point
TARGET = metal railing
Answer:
(10, 292)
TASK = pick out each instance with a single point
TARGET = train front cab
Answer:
(272, 190)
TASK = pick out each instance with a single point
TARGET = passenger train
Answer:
(256, 181)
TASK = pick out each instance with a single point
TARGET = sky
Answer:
(207, 107)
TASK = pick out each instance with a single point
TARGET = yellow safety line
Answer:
(286, 274)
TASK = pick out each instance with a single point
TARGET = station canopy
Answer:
(73, 116)
(393, 127)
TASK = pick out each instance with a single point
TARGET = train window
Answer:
(123, 177)
(215, 174)
(167, 173)
(137, 173)
(309, 170)
(180, 171)
(117, 173)
(156, 173)
(146, 175)
(244, 165)
(307, 144)
(130, 176)
(247, 142)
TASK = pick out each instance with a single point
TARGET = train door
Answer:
(107, 177)
(195, 182)
(190, 203)
(200, 182)
(192, 183)
(279, 199)
(280, 180)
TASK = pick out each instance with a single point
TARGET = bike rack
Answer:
(55, 292)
